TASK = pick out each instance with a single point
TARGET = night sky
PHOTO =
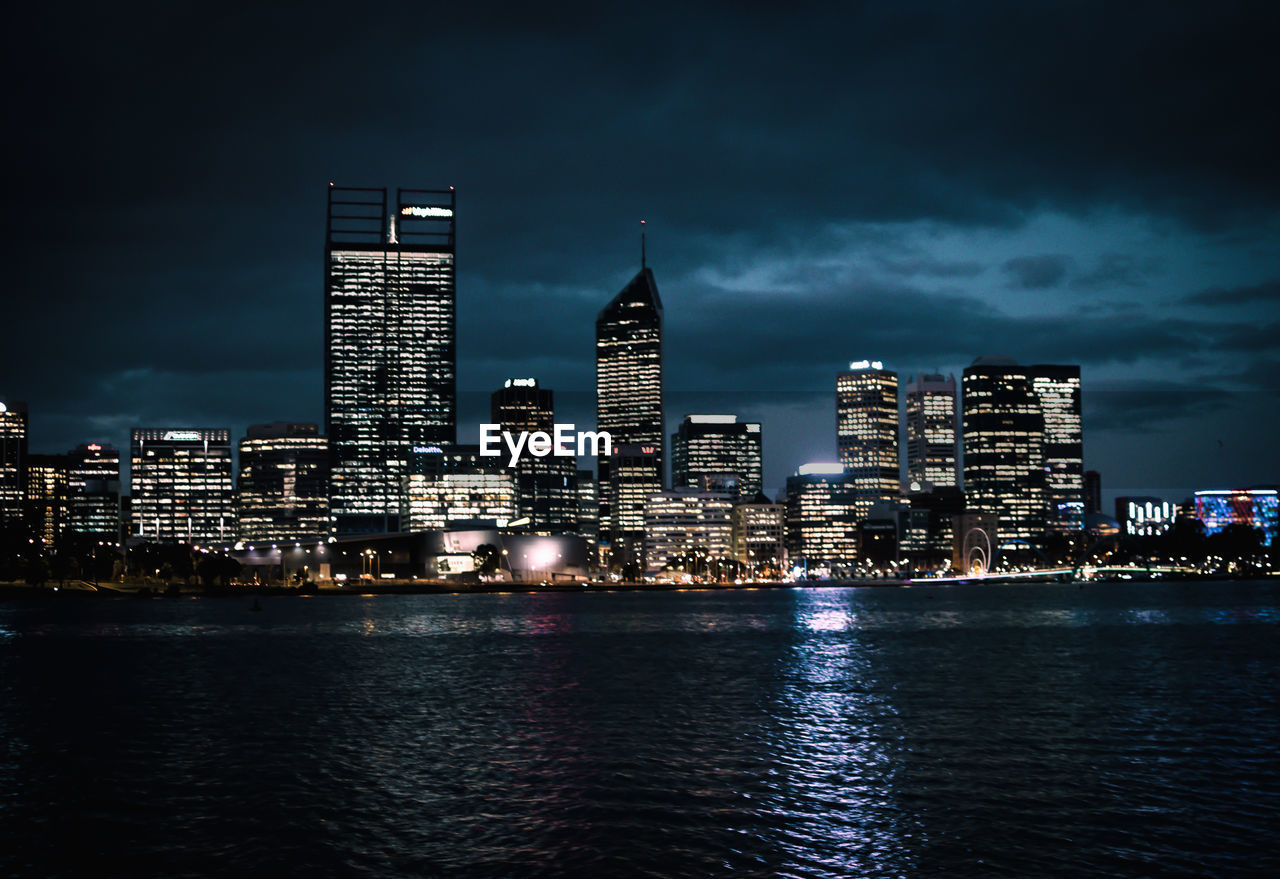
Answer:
(1070, 183)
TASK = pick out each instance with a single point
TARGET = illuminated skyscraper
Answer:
(47, 501)
(390, 356)
(686, 524)
(717, 453)
(1058, 390)
(822, 518)
(93, 486)
(180, 485)
(629, 403)
(13, 460)
(932, 435)
(1004, 461)
(546, 487)
(867, 432)
(283, 490)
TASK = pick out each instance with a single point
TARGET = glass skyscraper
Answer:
(932, 435)
(283, 490)
(867, 432)
(390, 353)
(13, 460)
(629, 406)
(717, 453)
(546, 487)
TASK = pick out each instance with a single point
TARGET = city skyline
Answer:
(1096, 215)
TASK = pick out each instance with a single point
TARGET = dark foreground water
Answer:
(1124, 730)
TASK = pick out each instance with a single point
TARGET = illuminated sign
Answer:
(182, 436)
(428, 211)
(94, 447)
(821, 469)
(521, 383)
(427, 450)
(867, 364)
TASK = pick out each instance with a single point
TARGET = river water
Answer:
(1031, 730)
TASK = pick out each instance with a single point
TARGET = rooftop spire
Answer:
(642, 244)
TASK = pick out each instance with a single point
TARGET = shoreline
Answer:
(25, 591)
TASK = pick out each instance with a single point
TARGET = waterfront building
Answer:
(629, 403)
(46, 497)
(822, 518)
(717, 453)
(181, 485)
(1252, 507)
(927, 540)
(93, 489)
(283, 489)
(867, 432)
(1058, 390)
(932, 432)
(546, 487)
(758, 536)
(390, 368)
(1004, 454)
(688, 528)
(13, 460)
(1145, 516)
(633, 475)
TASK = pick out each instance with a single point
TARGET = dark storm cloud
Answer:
(1037, 272)
(1267, 293)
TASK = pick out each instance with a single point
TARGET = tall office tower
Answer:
(93, 487)
(390, 360)
(867, 432)
(687, 525)
(758, 534)
(717, 453)
(1004, 460)
(932, 438)
(588, 512)
(47, 501)
(1092, 492)
(633, 475)
(180, 484)
(13, 460)
(629, 391)
(1058, 389)
(546, 487)
(283, 489)
(822, 518)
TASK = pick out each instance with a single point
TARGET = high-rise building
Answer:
(47, 499)
(867, 432)
(283, 489)
(629, 402)
(1058, 390)
(933, 458)
(93, 487)
(180, 485)
(1092, 492)
(822, 518)
(717, 453)
(13, 460)
(546, 487)
(687, 524)
(588, 509)
(633, 475)
(758, 536)
(390, 354)
(1004, 456)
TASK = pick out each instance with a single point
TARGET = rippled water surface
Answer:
(1123, 730)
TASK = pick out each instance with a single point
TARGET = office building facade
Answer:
(689, 529)
(390, 371)
(1058, 390)
(717, 453)
(47, 500)
(1251, 507)
(758, 537)
(13, 460)
(867, 432)
(181, 485)
(933, 435)
(546, 487)
(93, 488)
(283, 488)
(823, 504)
(629, 404)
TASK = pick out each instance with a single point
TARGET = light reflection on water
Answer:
(809, 732)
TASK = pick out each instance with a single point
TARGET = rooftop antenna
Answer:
(642, 244)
